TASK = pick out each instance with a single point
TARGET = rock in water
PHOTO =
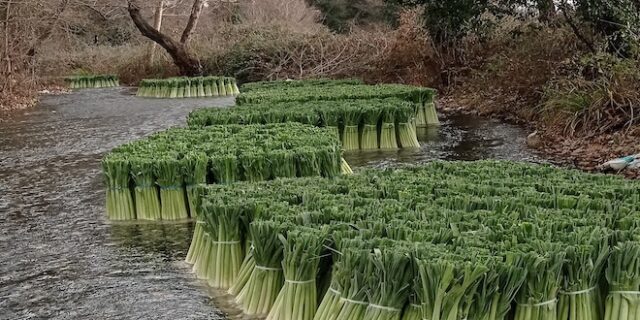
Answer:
(533, 140)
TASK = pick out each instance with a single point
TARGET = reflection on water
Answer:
(61, 259)
(459, 137)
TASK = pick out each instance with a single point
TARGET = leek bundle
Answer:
(498, 288)
(298, 297)
(195, 164)
(146, 194)
(388, 130)
(227, 247)
(331, 121)
(431, 117)
(538, 298)
(623, 277)
(350, 135)
(353, 273)
(195, 175)
(407, 137)
(388, 283)
(169, 172)
(225, 168)
(449, 286)
(222, 89)
(267, 277)
(369, 133)
(580, 296)
(119, 201)
(345, 168)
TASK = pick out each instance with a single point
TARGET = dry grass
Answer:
(508, 74)
(594, 95)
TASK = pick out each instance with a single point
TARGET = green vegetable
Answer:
(298, 297)
(183, 87)
(91, 81)
(120, 205)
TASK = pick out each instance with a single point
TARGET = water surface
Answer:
(59, 256)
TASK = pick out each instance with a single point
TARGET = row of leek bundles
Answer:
(197, 87)
(262, 85)
(423, 98)
(363, 124)
(92, 81)
(160, 171)
(548, 281)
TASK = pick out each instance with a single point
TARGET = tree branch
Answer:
(196, 10)
(44, 36)
(575, 29)
(188, 65)
(147, 30)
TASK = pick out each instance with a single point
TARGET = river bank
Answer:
(585, 151)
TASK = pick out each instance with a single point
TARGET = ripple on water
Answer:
(60, 258)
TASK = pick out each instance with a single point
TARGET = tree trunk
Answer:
(188, 64)
(157, 24)
(196, 10)
(7, 50)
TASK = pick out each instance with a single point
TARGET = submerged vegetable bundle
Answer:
(422, 98)
(183, 87)
(92, 81)
(154, 178)
(485, 240)
(362, 124)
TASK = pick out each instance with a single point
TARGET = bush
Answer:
(594, 94)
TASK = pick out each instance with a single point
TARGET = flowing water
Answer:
(61, 259)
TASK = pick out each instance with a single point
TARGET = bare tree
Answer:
(27, 24)
(188, 64)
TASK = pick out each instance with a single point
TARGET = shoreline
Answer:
(581, 152)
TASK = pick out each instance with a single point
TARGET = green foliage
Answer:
(617, 20)
(451, 20)
(339, 15)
